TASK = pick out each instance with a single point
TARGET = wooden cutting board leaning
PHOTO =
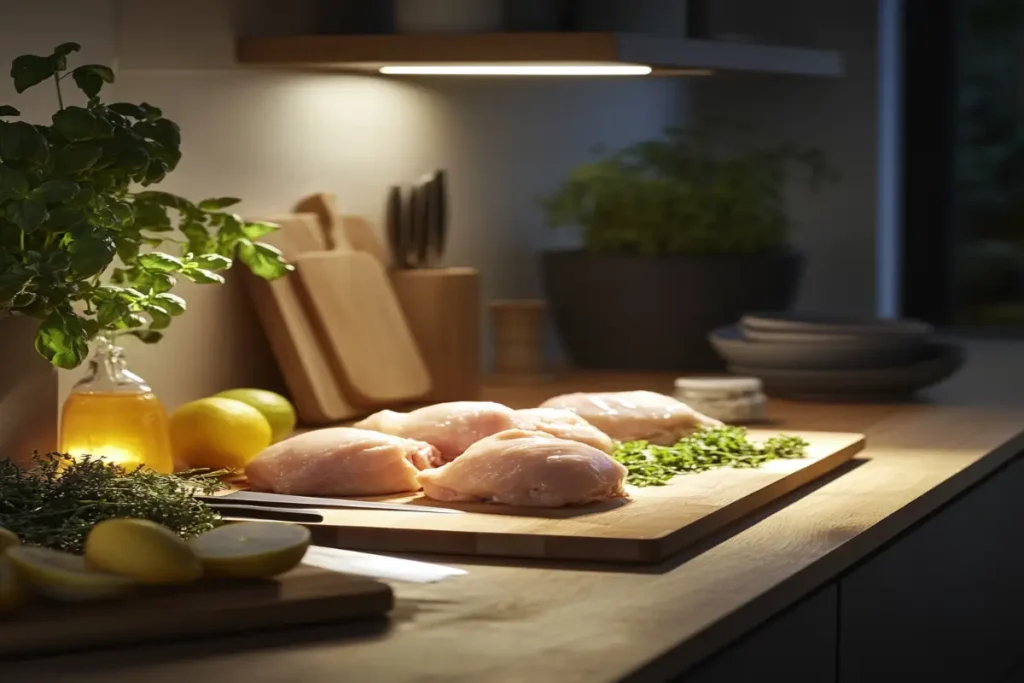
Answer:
(302, 597)
(300, 353)
(357, 314)
(655, 523)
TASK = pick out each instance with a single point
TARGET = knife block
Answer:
(442, 307)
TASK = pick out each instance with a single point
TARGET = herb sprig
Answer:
(57, 501)
(707, 448)
(74, 206)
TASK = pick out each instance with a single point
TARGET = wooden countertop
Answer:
(534, 622)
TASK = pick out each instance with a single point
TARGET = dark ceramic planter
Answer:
(640, 313)
(28, 393)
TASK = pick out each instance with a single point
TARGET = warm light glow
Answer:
(517, 70)
(114, 454)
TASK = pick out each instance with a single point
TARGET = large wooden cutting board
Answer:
(366, 335)
(301, 597)
(653, 524)
(299, 351)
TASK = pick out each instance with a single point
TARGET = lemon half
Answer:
(141, 550)
(8, 539)
(13, 591)
(252, 550)
(64, 576)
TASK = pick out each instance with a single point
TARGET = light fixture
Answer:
(517, 70)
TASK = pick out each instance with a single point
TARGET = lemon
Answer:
(7, 539)
(13, 591)
(276, 408)
(64, 576)
(141, 550)
(218, 433)
(251, 550)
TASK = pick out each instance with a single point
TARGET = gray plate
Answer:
(823, 324)
(798, 354)
(939, 361)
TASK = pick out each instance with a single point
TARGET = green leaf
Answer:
(64, 218)
(127, 109)
(159, 318)
(172, 303)
(27, 215)
(257, 229)
(91, 77)
(160, 263)
(155, 172)
(61, 52)
(75, 124)
(110, 311)
(91, 255)
(218, 203)
(152, 217)
(165, 199)
(203, 277)
(56, 191)
(152, 113)
(161, 282)
(8, 110)
(77, 158)
(199, 240)
(264, 260)
(20, 141)
(147, 336)
(128, 248)
(62, 339)
(29, 70)
(213, 261)
(13, 183)
(164, 132)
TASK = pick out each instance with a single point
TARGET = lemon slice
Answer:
(254, 550)
(7, 539)
(141, 550)
(63, 576)
(13, 591)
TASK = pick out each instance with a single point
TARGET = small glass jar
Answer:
(729, 399)
(113, 414)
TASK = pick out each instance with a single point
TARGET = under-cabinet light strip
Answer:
(517, 70)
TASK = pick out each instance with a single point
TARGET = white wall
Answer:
(836, 228)
(272, 137)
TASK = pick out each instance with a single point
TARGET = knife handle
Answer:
(270, 514)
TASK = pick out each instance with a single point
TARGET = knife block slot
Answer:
(442, 307)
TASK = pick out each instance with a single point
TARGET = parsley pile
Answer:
(708, 447)
(56, 502)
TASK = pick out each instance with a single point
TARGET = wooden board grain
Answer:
(372, 350)
(653, 524)
(300, 353)
(301, 597)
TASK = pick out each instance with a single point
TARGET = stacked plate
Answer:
(815, 357)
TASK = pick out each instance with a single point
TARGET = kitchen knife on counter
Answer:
(265, 512)
(259, 498)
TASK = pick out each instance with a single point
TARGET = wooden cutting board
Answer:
(301, 597)
(300, 353)
(367, 338)
(655, 523)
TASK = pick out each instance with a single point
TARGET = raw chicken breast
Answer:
(635, 415)
(341, 461)
(450, 427)
(527, 469)
(566, 424)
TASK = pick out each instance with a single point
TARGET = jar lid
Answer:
(718, 385)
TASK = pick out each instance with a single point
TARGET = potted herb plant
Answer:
(681, 234)
(74, 206)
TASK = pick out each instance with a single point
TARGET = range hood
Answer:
(543, 54)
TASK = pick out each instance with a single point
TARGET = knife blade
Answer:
(257, 497)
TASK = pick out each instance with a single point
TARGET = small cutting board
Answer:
(365, 332)
(301, 597)
(301, 355)
(653, 524)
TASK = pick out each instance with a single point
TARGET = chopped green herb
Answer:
(56, 502)
(707, 448)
